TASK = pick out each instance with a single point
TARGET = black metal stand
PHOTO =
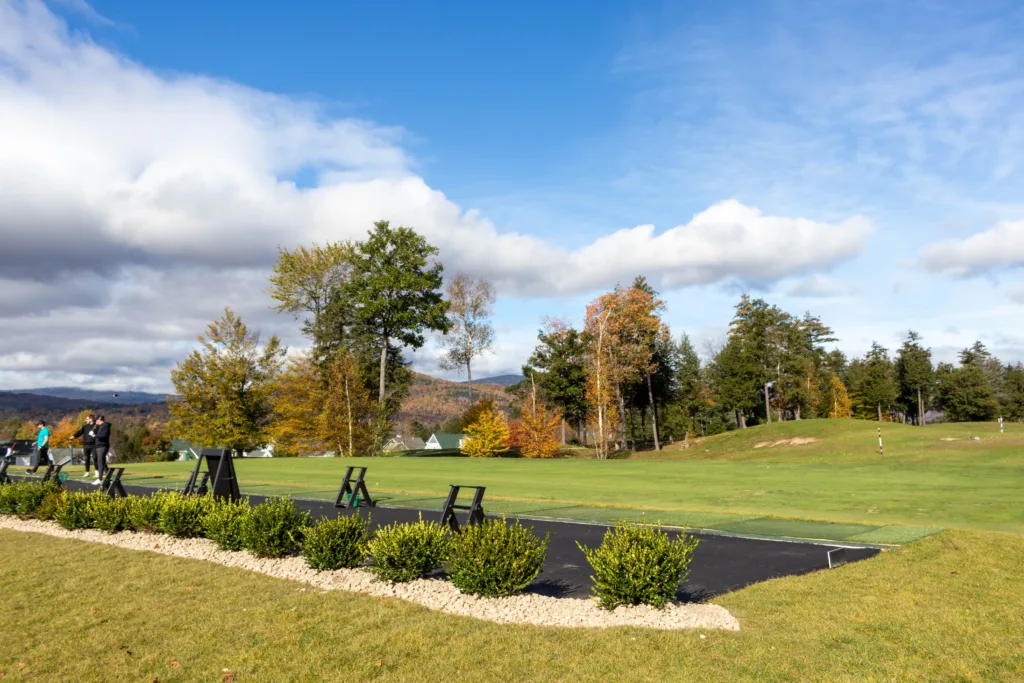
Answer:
(52, 472)
(354, 494)
(196, 483)
(111, 484)
(476, 510)
(4, 479)
(220, 467)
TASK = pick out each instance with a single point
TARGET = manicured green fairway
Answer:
(836, 487)
(946, 608)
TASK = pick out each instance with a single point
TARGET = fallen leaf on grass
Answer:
(21, 665)
(379, 663)
(174, 664)
(228, 677)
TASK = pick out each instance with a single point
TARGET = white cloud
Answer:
(817, 286)
(1000, 246)
(136, 205)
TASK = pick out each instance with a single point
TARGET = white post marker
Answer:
(1000, 424)
(880, 451)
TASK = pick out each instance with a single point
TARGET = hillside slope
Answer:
(854, 441)
(432, 401)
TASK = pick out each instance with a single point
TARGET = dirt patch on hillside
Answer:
(795, 441)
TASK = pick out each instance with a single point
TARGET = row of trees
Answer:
(621, 381)
(624, 379)
(360, 305)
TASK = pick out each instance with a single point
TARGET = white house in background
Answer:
(445, 442)
(266, 452)
(404, 443)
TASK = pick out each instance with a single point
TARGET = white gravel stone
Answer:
(538, 610)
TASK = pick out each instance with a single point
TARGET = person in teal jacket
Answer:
(42, 454)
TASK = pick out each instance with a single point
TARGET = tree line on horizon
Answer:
(622, 381)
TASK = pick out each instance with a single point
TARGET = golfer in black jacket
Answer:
(88, 434)
(101, 447)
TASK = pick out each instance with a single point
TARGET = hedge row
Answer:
(633, 565)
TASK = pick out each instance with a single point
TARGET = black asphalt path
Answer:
(721, 563)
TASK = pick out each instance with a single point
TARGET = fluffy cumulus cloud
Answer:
(1001, 246)
(134, 205)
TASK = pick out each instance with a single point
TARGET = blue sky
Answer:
(861, 161)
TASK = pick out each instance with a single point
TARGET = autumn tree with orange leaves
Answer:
(536, 431)
(636, 328)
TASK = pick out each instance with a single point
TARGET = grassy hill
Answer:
(856, 441)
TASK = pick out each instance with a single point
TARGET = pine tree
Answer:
(558, 365)
(914, 377)
(875, 387)
(395, 297)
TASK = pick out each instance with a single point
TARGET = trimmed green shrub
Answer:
(224, 523)
(336, 543)
(403, 552)
(108, 514)
(72, 511)
(639, 564)
(274, 528)
(28, 496)
(9, 498)
(495, 559)
(48, 507)
(181, 516)
(144, 511)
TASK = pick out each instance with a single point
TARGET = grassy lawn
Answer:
(932, 477)
(946, 608)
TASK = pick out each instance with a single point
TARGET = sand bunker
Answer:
(795, 441)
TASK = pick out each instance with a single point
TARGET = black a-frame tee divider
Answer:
(476, 509)
(111, 483)
(4, 464)
(52, 472)
(354, 494)
(221, 469)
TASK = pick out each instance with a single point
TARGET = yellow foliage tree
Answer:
(26, 431)
(60, 437)
(837, 400)
(347, 420)
(298, 407)
(536, 432)
(488, 436)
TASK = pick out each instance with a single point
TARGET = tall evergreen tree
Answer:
(876, 382)
(735, 380)
(558, 365)
(965, 393)
(1013, 387)
(914, 376)
(395, 296)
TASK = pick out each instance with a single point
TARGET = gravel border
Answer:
(537, 610)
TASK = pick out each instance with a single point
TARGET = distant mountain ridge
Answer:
(93, 396)
(503, 380)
